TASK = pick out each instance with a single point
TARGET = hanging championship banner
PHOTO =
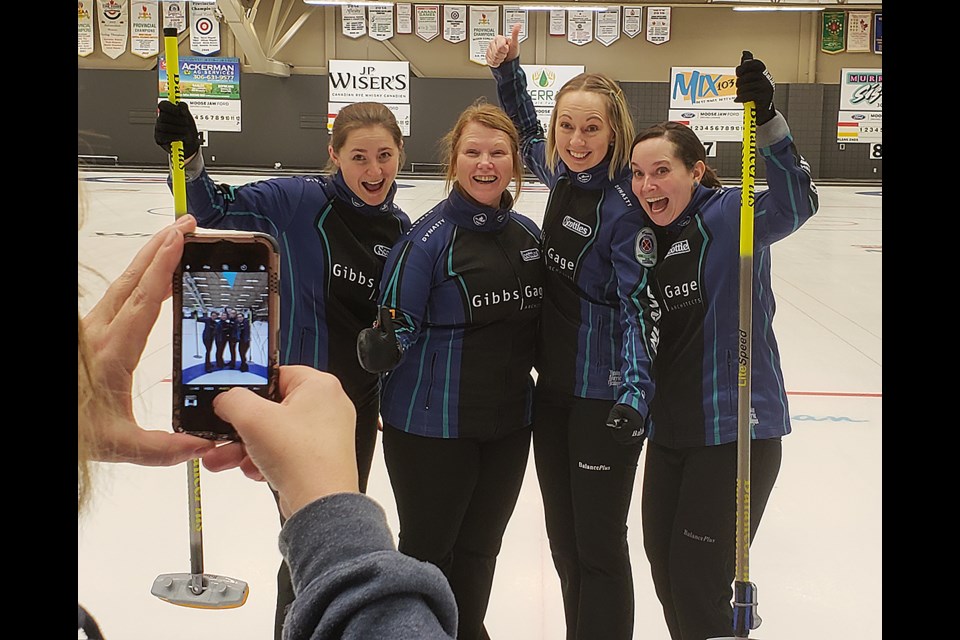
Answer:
(427, 21)
(703, 99)
(381, 22)
(404, 17)
(861, 106)
(113, 27)
(454, 22)
(558, 22)
(84, 27)
(878, 33)
(204, 29)
(658, 24)
(211, 86)
(353, 20)
(608, 25)
(631, 20)
(145, 28)
(175, 15)
(832, 31)
(579, 27)
(858, 31)
(543, 83)
(513, 14)
(484, 24)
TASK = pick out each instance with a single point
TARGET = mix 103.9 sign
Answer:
(860, 118)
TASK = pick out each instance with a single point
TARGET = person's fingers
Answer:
(119, 290)
(293, 377)
(250, 469)
(515, 35)
(154, 448)
(242, 408)
(495, 50)
(224, 457)
(137, 316)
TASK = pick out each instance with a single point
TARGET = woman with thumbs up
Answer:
(595, 303)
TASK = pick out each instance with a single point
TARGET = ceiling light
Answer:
(365, 3)
(562, 7)
(754, 8)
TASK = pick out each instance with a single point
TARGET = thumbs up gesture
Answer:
(503, 49)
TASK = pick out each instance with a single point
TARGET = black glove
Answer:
(755, 84)
(174, 122)
(626, 424)
(377, 347)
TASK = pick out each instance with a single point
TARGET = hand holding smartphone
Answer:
(226, 304)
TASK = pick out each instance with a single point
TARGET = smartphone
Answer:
(226, 305)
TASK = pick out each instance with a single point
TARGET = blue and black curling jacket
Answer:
(596, 290)
(465, 284)
(696, 280)
(332, 250)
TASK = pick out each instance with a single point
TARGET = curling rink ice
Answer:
(817, 557)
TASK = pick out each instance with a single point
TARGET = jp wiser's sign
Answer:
(369, 80)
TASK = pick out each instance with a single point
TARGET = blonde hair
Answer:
(490, 116)
(361, 115)
(87, 402)
(617, 112)
(86, 409)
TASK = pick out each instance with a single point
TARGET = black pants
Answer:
(244, 348)
(454, 498)
(208, 344)
(221, 343)
(368, 415)
(586, 478)
(689, 511)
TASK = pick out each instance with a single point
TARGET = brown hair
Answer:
(686, 144)
(490, 116)
(617, 112)
(361, 115)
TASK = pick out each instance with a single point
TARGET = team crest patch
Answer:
(645, 248)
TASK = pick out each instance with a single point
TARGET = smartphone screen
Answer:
(225, 314)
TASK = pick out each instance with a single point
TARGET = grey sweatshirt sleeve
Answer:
(351, 582)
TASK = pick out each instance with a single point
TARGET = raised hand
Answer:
(174, 122)
(502, 49)
(755, 84)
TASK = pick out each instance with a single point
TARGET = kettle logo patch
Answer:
(645, 248)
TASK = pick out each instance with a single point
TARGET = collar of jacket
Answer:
(595, 177)
(700, 195)
(348, 197)
(464, 211)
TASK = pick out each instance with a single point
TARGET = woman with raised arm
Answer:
(594, 303)
(334, 232)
